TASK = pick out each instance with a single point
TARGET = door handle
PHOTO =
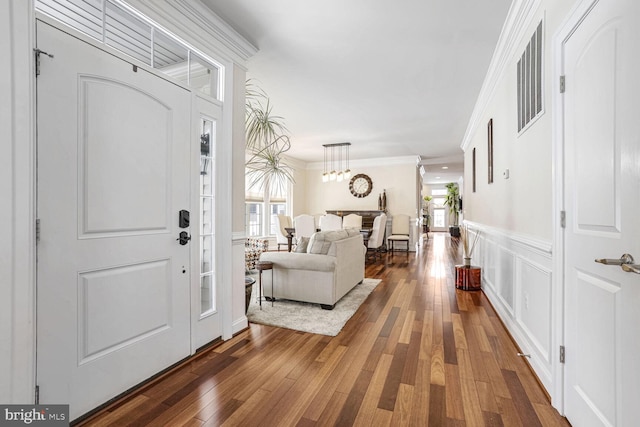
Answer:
(184, 238)
(624, 259)
(631, 268)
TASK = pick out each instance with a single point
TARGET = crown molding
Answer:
(458, 158)
(380, 161)
(520, 16)
(193, 21)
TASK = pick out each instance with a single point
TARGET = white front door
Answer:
(602, 201)
(113, 300)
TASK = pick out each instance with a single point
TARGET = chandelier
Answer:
(333, 155)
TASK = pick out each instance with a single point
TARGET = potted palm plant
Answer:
(267, 140)
(452, 200)
(426, 216)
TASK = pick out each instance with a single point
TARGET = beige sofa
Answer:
(331, 266)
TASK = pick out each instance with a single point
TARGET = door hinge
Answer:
(562, 354)
(37, 395)
(563, 219)
(562, 84)
(38, 230)
(37, 53)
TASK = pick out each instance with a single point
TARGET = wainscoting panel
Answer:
(506, 279)
(533, 309)
(517, 280)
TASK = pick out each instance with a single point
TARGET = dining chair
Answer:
(399, 230)
(305, 226)
(352, 221)
(330, 222)
(282, 222)
(376, 239)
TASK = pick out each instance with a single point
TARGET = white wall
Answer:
(514, 215)
(521, 203)
(239, 318)
(17, 177)
(396, 175)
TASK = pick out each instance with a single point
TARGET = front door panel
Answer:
(113, 174)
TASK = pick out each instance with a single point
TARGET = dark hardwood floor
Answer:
(417, 352)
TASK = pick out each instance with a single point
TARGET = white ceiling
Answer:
(394, 78)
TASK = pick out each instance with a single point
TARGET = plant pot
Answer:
(248, 286)
(454, 230)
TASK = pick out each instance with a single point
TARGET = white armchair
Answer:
(282, 222)
(330, 222)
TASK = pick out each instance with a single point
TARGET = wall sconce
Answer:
(329, 171)
(205, 149)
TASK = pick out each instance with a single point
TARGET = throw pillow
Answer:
(302, 244)
(321, 242)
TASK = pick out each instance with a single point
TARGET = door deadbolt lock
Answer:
(184, 238)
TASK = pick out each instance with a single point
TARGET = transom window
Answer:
(122, 28)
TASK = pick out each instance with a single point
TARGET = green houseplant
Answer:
(452, 200)
(267, 140)
(425, 213)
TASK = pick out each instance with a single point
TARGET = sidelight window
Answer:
(207, 217)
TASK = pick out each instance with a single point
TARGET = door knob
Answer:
(624, 259)
(184, 238)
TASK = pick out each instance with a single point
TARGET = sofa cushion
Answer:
(321, 241)
(352, 231)
(302, 245)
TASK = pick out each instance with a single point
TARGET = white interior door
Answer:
(113, 172)
(602, 199)
(206, 318)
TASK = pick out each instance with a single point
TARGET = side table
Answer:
(468, 277)
(261, 266)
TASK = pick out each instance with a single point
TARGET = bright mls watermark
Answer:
(36, 415)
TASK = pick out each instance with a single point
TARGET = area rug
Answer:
(302, 316)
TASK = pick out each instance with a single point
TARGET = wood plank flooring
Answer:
(418, 352)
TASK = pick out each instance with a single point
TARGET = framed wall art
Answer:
(473, 169)
(490, 149)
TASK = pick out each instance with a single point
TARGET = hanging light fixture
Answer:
(325, 174)
(332, 174)
(339, 176)
(336, 173)
(347, 171)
